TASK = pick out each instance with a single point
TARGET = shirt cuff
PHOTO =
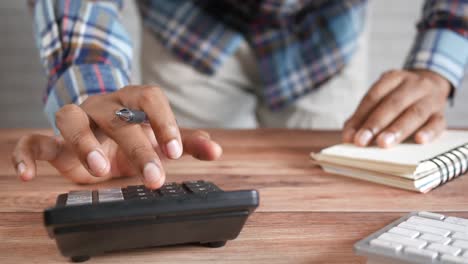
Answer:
(442, 51)
(80, 81)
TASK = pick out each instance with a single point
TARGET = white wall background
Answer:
(391, 34)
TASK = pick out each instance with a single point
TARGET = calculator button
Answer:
(79, 197)
(169, 191)
(136, 188)
(194, 182)
(170, 185)
(148, 195)
(110, 195)
(214, 188)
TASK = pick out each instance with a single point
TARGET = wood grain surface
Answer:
(305, 215)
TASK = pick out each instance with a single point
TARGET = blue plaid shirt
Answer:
(298, 44)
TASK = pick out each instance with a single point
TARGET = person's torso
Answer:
(313, 38)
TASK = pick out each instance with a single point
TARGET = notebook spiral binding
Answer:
(452, 163)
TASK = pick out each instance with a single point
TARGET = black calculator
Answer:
(86, 223)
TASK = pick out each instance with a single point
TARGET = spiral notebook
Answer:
(408, 165)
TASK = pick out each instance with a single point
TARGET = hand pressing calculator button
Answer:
(88, 223)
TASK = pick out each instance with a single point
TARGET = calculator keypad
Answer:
(140, 192)
(173, 190)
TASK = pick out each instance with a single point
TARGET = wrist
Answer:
(437, 78)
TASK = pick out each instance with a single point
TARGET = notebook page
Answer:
(407, 154)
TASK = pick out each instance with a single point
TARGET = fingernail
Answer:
(425, 136)
(21, 168)
(96, 162)
(388, 138)
(363, 137)
(174, 150)
(348, 135)
(151, 172)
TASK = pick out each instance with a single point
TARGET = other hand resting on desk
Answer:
(399, 104)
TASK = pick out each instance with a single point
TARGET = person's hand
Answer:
(95, 146)
(400, 104)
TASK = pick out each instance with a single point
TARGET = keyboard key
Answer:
(431, 215)
(405, 241)
(462, 236)
(385, 245)
(456, 220)
(404, 232)
(435, 238)
(460, 243)
(420, 253)
(79, 197)
(425, 229)
(423, 237)
(439, 224)
(449, 259)
(444, 249)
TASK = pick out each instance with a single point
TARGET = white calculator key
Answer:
(435, 238)
(403, 240)
(460, 243)
(431, 215)
(425, 229)
(444, 249)
(110, 195)
(436, 223)
(456, 220)
(385, 245)
(449, 259)
(79, 197)
(404, 232)
(462, 236)
(110, 191)
(420, 253)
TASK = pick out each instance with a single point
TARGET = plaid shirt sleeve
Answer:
(442, 41)
(83, 48)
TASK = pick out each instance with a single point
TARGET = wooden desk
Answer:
(305, 216)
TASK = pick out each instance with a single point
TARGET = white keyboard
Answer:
(420, 237)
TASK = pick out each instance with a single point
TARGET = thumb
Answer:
(31, 148)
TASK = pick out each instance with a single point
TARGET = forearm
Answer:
(83, 47)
